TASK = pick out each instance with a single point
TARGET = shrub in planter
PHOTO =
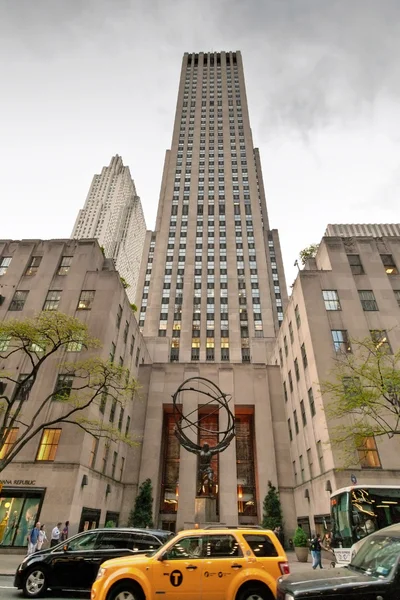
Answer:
(300, 542)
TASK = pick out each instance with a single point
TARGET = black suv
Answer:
(74, 564)
(373, 574)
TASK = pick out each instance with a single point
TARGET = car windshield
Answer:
(377, 556)
(153, 552)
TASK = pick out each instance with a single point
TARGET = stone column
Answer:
(227, 460)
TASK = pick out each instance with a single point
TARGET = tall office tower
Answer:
(212, 278)
(113, 215)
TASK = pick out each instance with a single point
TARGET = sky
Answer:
(83, 80)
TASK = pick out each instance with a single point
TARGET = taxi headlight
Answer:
(102, 571)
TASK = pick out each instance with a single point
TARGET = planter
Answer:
(301, 554)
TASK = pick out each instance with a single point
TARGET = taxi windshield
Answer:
(153, 552)
(377, 556)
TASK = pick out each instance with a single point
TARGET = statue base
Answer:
(205, 510)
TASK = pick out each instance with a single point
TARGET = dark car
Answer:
(74, 564)
(374, 573)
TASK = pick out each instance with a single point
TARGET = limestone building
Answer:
(351, 290)
(113, 215)
(211, 298)
(66, 474)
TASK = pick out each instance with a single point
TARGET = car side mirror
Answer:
(163, 556)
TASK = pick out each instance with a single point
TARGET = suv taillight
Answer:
(284, 567)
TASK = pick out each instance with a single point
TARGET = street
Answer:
(8, 591)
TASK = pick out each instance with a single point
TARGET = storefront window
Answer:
(246, 489)
(170, 480)
(19, 511)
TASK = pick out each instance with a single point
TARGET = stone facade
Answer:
(57, 485)
(316, 463)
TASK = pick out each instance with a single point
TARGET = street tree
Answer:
(363, 396)
(141, 515)
(55, 340)
(272, 511)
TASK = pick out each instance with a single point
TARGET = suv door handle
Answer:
(191, 567)
(236, 566)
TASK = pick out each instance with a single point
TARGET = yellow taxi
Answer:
(199, 564)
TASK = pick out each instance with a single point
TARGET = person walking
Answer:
(55, 535)
(64, 533)
(316, 551)
(33, 538)
(42, 537)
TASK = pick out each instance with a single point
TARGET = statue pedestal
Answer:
(205, 510)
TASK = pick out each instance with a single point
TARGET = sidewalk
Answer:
(10, 562)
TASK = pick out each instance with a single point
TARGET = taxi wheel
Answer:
(35, 584)
(125, 591)
(254, 593)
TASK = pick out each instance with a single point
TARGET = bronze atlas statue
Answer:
(191, 426)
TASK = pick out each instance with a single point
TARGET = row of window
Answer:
(367, 299)
(34, 264)
(210, 353)
(52, 301)
(48, 446)
(357, 268)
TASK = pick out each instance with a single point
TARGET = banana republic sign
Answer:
(17, 482)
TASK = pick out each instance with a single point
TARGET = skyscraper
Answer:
(213, 282)
(113, 215)
(211, 295)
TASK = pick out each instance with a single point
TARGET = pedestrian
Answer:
(33, 538)
(42, 537)
(55, 535)
(64, 533)
(316, 551)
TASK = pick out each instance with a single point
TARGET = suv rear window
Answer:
(115, 540)
(261, 545)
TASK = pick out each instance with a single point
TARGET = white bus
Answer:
(359, 510)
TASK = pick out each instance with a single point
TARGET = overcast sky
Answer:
(83, 80)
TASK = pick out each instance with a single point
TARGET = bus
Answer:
(359, 510)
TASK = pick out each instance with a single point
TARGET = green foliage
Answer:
(110, 524)
(272, 511)
(363, 396)
(300, 539)
(308, 252)
(64, 342)
(125, 283)
(134, 307)
(141, 515)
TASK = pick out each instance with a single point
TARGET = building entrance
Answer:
(19, 511)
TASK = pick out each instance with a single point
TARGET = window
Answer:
(331, 299)
(63, 387)
(128, 424)
(290, 381)
(285, 345)
(295, 471)
(355, 264)
(261, 545)
(65, 265)
(290, 430)
(285, 391)
(4, 342)
(389, 264)
(112, 352)
(48, 444)
(18, 301)
(297, 315)
(368, 454)
(304, 356)
(126, 331)
(220, 546)
(114, 464)
(9, 441)
(301, 467)
(296, 369)
(33, 265)
(23, 387)
(351, 386)
(121, 469)
(291, 332)
(367, 300)
(75, 345)
(137, 356)
(112, 410)
(119, 316)
(86, 300)
(397, 295)
(341, 340)
(4, 264)
(320, 457)
(310, 463)
(296, 423)
(381, 341)
(121, 418)
(311, 402)
(93, 453)
(105, 458)
(132, 345)
(303, 413)
(52, 300)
